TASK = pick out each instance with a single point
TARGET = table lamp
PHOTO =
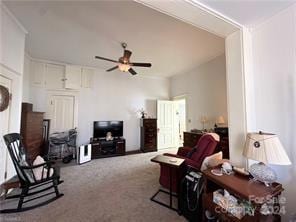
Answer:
(219, 121)
(203, 120)
(267, 149)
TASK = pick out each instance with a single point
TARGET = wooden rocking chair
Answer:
(49, 178)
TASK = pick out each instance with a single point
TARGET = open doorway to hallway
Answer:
(180, 119)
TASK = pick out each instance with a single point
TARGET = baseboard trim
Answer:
(133, 152)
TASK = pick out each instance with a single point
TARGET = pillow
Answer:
(38, 171)
(211, 161)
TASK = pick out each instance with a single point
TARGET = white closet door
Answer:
(4, 123)
(54, 76)
(37, 73)
(61, 110)
(165, 124)
(87, 77)
(73, 77)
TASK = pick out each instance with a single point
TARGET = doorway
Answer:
(238, 62)
(61, 110)
(4, 129)
(180, 119)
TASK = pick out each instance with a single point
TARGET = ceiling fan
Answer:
(123, 63)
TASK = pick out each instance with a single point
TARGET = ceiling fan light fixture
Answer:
(123, 67)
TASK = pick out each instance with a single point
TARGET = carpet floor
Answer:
(109, 189)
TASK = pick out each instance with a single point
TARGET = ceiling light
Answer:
(124, 67)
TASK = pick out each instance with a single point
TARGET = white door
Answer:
(4, 123)
(37, 73)
(73, 77)
(165, 124)
(60, 111)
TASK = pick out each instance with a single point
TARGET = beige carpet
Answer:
(109, 189)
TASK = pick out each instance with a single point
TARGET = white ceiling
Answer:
(74, 32)
(247, 12)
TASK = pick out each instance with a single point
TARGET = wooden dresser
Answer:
(148, 135)
(191, 138)
(32, 131)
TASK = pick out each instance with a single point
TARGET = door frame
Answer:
(14, 121)
(238, 62)
(185, 97)
(5, 157)
(176, 98)
(64, 93)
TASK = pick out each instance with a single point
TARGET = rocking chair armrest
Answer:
(45, 164)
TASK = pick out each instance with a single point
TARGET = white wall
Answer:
(113, 96)
(205, 90)
(26, 79)
(117, 96)
(274, 70)
(12, 43)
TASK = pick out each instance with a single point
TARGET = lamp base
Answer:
(263, 173)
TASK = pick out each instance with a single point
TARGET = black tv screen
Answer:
(101, 128)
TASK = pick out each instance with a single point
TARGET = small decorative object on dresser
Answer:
(265, 148)
(148, 135)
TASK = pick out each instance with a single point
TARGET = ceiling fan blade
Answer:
(141, 64)
(133, 72)
(111, 69)
(127, 54)
(110, 60)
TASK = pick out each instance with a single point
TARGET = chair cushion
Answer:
(38, 171)
(211, 161)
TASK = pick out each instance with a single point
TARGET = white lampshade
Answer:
(266, 148)
(220, 120)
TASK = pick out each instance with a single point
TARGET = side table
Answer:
(171, 162)
(243, 188)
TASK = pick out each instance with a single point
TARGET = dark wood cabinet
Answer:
(32, 131)
(191, 138)
(223, 145)
(103, 148)
(148, 135)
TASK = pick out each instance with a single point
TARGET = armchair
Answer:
(194, 157)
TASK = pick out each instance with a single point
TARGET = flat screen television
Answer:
(101, 128)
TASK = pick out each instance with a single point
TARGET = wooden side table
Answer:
(171, 162)
(243, 188)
